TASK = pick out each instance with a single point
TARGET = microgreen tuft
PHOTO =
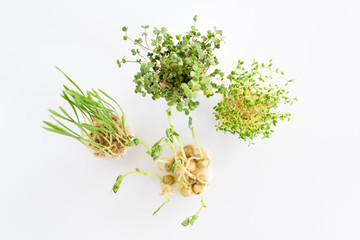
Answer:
(176, 68)
(250, 102)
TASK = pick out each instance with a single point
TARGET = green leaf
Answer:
(169, 134)
(156, 31)
(190, 123)
(70, 80)
(190, 220)
(186, 222)
(58, 115)
(156, 151)
(193, 218)
(134, 142)
(117, 183)
(174, 166)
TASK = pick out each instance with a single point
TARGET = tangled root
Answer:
(113, 147)
(192, 176)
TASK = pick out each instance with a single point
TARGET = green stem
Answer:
(179, 163)
(177, 137)
(167, 201)
(196, 141)
(142, 172)
(202, 203)
(146, 146)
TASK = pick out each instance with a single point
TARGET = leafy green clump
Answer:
(102, 128)
(249, 103)
(176, 68)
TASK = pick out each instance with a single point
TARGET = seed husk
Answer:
(189, 150)
(168, 179)
(203, 163)
(203, 178)
(168, 165)
(178, 173)
(186, 192)
(198, 188)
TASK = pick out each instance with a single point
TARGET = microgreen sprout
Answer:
(188, 170)
(249, 103)
(176, 67)
(102, 128)
(120, 178)
(190, 220)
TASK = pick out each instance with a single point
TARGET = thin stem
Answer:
(135, 61)
(143, 57)
(179, 163)
(181, 146)
(202, 202)
(196, 141)
(177, 137)
(146, 41)
(142, 46)
(142, 172)
(147, 148)
(167, 201)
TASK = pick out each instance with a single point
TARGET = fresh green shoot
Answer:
(101, 126)
(250, 102)
(176, 67)
(194, 137)
(190, 220)
(120, 178)
(171, 137)
(163, 204)
(136, 141)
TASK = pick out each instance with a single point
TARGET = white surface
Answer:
(302, 183)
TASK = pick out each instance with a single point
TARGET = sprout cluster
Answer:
(176, 68)
(102, 127)
(250, 102)
(194, 177)
(189, 170)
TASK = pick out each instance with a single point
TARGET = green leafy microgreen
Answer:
(176, 68)
(156, 150)
(249, 104)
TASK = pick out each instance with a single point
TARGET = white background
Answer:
(302, 183)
